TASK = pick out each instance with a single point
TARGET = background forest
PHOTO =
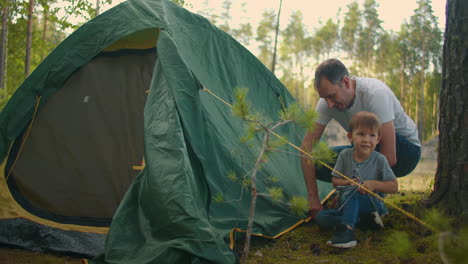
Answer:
(408, 61)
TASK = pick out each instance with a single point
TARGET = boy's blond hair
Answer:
(364, 119)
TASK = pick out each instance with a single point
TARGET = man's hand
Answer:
(314, 206)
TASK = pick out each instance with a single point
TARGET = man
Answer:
(341, 96)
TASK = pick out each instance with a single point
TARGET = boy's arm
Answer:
(380, 186)
(341, 182)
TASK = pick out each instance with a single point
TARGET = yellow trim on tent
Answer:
(140, 167)
(9, 209)
(144, 39)
(231, 234)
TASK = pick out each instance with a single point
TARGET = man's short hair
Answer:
(364, 119)
(333, 69)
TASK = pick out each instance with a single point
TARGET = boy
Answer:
(362, 164)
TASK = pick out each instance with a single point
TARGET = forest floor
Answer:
(403, 240)
(306, 244)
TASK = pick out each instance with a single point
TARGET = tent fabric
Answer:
(51, 239)
(80, 110)
(191, 140)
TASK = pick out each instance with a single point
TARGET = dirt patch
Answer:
(18, 256)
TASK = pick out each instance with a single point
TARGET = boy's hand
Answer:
(344, 182)
(368, 185)
(354, 180)
(380, 186)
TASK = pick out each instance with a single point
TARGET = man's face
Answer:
(339, 96)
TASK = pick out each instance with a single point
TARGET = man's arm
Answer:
(308, 169)
(388, 143)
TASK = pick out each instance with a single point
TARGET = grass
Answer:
(401, 241)
(421, 179)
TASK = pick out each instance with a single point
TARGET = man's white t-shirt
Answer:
(374, 96)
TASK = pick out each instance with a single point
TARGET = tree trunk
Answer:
(44, 31)
(410, 101)
(434, 113)
(303, 89)
(98, 7)
(27, 61)
(402, 88)
(451, 183)
(421, 105)
(253, 201)
(3, 45)
(273, 63)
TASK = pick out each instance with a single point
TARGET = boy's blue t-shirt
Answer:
(374, 168)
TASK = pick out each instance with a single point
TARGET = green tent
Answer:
(115, 129)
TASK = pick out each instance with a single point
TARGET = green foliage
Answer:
(260, 119)
(299, 206)
(304, 119)
(322, 153)
(400, 244)
(251, 128)
(327, 36)
(435, 218)
(350, 29)
(275, 193)
(273, 179)
(246, 182)
(295, 51)
(232, 176)
(181, 3)
(398, 58)
(368, 36)
(265, 36)
(243, 33)
(291, 112)
(275, 143)
(218, 198)
(307, 119)
(240, 106)
(456, 247)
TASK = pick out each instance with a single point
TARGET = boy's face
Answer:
(364, 140)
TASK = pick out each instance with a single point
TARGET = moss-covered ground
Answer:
(403, 240)
(18, 256)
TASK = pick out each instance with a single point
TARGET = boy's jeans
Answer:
(407, 153)
(357, 205)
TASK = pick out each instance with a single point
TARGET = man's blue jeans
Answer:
(355, 206)
(407, 153)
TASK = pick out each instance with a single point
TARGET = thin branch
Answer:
(281, 123)
(442, 254)
(248, 234)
